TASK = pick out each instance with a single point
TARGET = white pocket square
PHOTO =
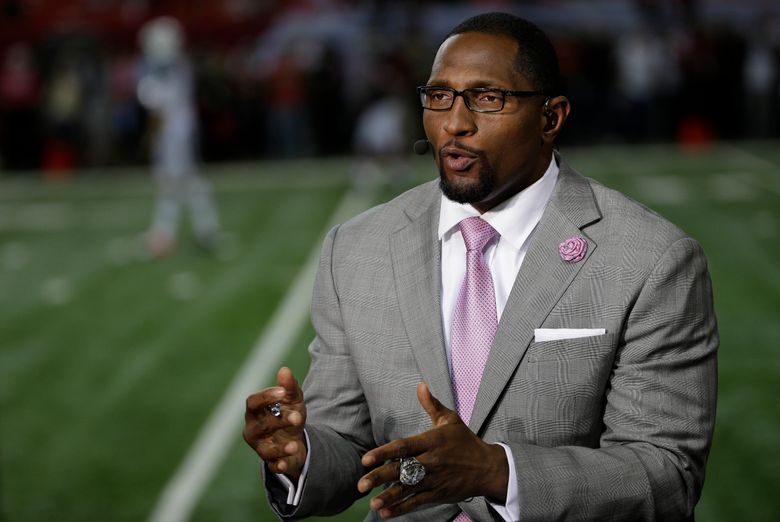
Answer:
(556, 334)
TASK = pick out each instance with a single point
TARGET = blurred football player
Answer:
(166, 90)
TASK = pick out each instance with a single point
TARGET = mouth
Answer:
(457, 158)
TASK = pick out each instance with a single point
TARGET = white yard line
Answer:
(184, 489)
(762, 181)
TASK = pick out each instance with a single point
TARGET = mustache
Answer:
(460, 145)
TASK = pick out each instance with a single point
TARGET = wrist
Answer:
(498, 477)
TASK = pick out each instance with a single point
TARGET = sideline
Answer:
(180, 496)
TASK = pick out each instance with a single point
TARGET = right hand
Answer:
(279, 441)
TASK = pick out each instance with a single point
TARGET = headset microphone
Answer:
(421, 147)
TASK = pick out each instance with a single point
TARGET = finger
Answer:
(272, 448)
(257, 402)
(258, 428)
(259, 441)
(270, 451)
(275, 466)
(294, 418)
(262, 420)
(438, 412)
(382, 475)
(397, 493)
(286, 379)
(264, 425)
(388, 497)
(407, 504)
(278, 466)
(400, 448)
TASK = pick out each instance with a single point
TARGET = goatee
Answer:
(468, 193)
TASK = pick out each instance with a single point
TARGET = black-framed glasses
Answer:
(478, 99)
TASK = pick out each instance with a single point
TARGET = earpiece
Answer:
(549, 114)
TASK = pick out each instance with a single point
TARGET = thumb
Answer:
(438, 413)
(286, 379)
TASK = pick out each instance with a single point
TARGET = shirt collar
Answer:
(514, 219)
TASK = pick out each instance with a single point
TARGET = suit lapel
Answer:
(416, 256)
(540, 283)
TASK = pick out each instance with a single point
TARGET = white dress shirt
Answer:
(515, 221)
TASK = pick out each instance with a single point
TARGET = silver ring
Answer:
(275, 409)
(412, 472)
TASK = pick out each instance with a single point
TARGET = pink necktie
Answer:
(475, 321)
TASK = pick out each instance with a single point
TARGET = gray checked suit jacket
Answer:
(612, 427)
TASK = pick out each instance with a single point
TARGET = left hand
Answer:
(458, 464)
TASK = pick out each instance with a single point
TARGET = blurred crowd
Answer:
(304, 78)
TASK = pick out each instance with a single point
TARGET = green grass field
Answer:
(110, 363)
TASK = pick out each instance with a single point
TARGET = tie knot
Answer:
(476, 233)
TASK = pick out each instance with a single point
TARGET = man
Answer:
(166, 90)
(581, 386)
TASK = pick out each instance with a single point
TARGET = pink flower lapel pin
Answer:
(573, 249)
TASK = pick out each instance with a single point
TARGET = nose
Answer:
(460, 120)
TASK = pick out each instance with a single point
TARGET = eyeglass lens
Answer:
(482, 100)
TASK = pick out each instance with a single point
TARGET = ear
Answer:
(554, 113)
